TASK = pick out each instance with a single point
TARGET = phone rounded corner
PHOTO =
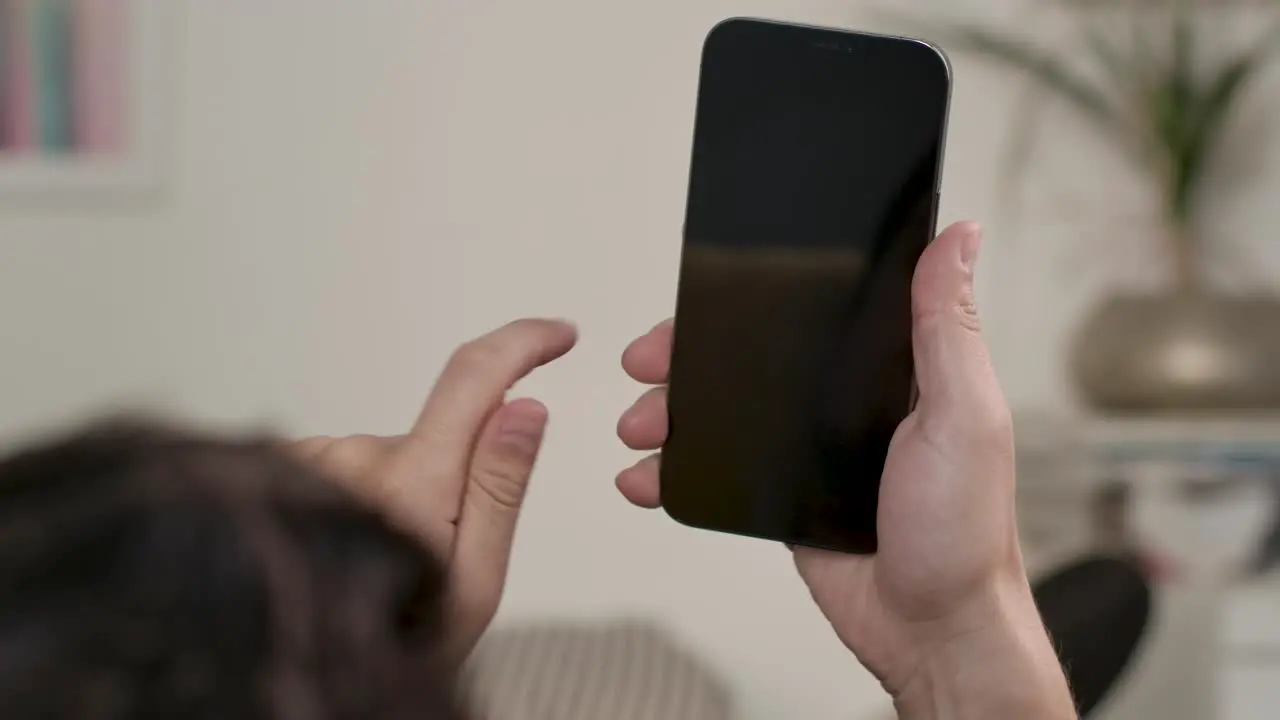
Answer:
(686, 521)
(679, 519)
(724, 26)
(860, 544)
(667, 507)
(673, 509)
(939, 54)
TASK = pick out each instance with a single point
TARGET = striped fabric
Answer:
(625, 671)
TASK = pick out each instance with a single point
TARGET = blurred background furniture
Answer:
(1250, 653)
(582, 671)
(1194, 503)
(1097, 611)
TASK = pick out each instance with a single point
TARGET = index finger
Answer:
(436, 453)
(479, 373)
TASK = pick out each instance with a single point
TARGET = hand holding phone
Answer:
(946, 596)
(828, 385)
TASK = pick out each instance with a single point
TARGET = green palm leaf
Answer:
(1116, 66)
(1155, 101)
(1010, 50)
(1224, 90)
(1193, 137)
(1039, 64)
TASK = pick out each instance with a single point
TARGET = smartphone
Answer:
(813, 191)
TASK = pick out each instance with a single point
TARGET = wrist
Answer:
(1001, 667)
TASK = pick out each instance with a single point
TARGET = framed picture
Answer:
(84, 94)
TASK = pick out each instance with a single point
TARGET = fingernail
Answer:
(523, 424)
(565, 322)
(970, 244)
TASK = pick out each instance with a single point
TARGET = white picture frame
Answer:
(151, 64)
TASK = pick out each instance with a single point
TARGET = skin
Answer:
(458, 478)
(943, 613)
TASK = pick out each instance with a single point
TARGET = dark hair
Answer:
(147, 573)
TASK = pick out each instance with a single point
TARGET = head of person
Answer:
(148, 573)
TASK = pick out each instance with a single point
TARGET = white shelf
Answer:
(1039, 431)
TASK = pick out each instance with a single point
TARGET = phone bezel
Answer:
(835, 40)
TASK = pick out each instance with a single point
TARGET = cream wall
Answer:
(358, 186)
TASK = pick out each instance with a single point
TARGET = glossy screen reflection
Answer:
(812, 195)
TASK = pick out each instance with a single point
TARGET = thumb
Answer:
(953, 369)
(500, 470)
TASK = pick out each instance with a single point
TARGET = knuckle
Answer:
(984, 427)
(963, 313)
(308, 448)
(968, 312)
(925, 315)
(356, 446)
(992, 427)
(350, 457)
(503, 486)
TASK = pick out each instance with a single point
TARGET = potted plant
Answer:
(1155, 98)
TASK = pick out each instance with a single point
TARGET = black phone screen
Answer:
(813, 192)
